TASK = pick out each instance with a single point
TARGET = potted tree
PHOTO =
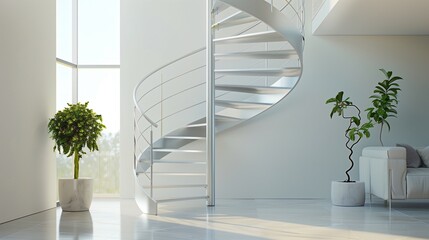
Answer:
(74, 129)
(384, 101)
(348, 192)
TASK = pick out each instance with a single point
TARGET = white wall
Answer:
(293, 149)
(27, 100)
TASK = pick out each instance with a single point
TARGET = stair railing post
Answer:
(151, 162)
(162, 104)
(134, 136)
(210, 108)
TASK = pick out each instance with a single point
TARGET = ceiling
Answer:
(372, 17)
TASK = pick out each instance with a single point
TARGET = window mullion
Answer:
(75, 50)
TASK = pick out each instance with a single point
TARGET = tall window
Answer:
(88, 70)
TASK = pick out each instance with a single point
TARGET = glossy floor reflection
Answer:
(230, 219)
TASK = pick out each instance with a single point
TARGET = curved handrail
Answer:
(136, 102)
(153, 72)
(170, 63)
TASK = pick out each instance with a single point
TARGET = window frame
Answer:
(75, 66)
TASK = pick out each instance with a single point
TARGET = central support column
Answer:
(210, 108)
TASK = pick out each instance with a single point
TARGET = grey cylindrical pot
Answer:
(75, 194)
(348, 194)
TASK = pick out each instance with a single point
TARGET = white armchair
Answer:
(385, 173)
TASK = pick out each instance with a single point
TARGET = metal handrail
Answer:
(153, 72)
(136, 102)
(172, 62)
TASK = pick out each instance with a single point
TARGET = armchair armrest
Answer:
(375, 165)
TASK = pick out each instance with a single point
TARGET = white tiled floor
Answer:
(230, 219)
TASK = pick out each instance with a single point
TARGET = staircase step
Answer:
(184, 137)
(195, 130)
(196, 125)
(178, 174)
(277, 54)
(219, 6)
(268, 36)
(252, 89)
(278, 72)
(242, 105)
(179, 161)
(179, 186)
(235, 19)
(181, 199)
(227, 118)
(177, 150)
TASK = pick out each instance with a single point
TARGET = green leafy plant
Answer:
(356, 130)
(73, 129)
(384, 101)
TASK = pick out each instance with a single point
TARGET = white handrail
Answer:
(153, 123)
(153, 72)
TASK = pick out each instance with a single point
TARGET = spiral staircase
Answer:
(252, 61)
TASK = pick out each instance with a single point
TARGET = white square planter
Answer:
(75, 194)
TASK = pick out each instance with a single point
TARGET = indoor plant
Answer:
(348, 192)
(384, 101)
(74, 128)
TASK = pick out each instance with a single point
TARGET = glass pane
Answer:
(64, 96)
(99, 32)
(101, 88)
(64, 86)
(64, 29)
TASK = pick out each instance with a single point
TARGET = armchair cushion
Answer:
(413, 158)
(418, 183)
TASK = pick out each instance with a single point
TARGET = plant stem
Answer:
(350, 148)
(381, 132)
(76, 164)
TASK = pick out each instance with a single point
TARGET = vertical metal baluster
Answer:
(266, 61)
(134, 136)
(151, 161)
(162, 104)
(210, 108)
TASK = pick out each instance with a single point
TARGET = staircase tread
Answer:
(252, 89)
(223, 117)
(242, 102)
(196, 125)
(257, 69)
(183, 137)
(176, 150)
(273, 54)
(247, 35)
(288, 71)
(265, 36)
(179, 173)
(179, 161)
(250, 86)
